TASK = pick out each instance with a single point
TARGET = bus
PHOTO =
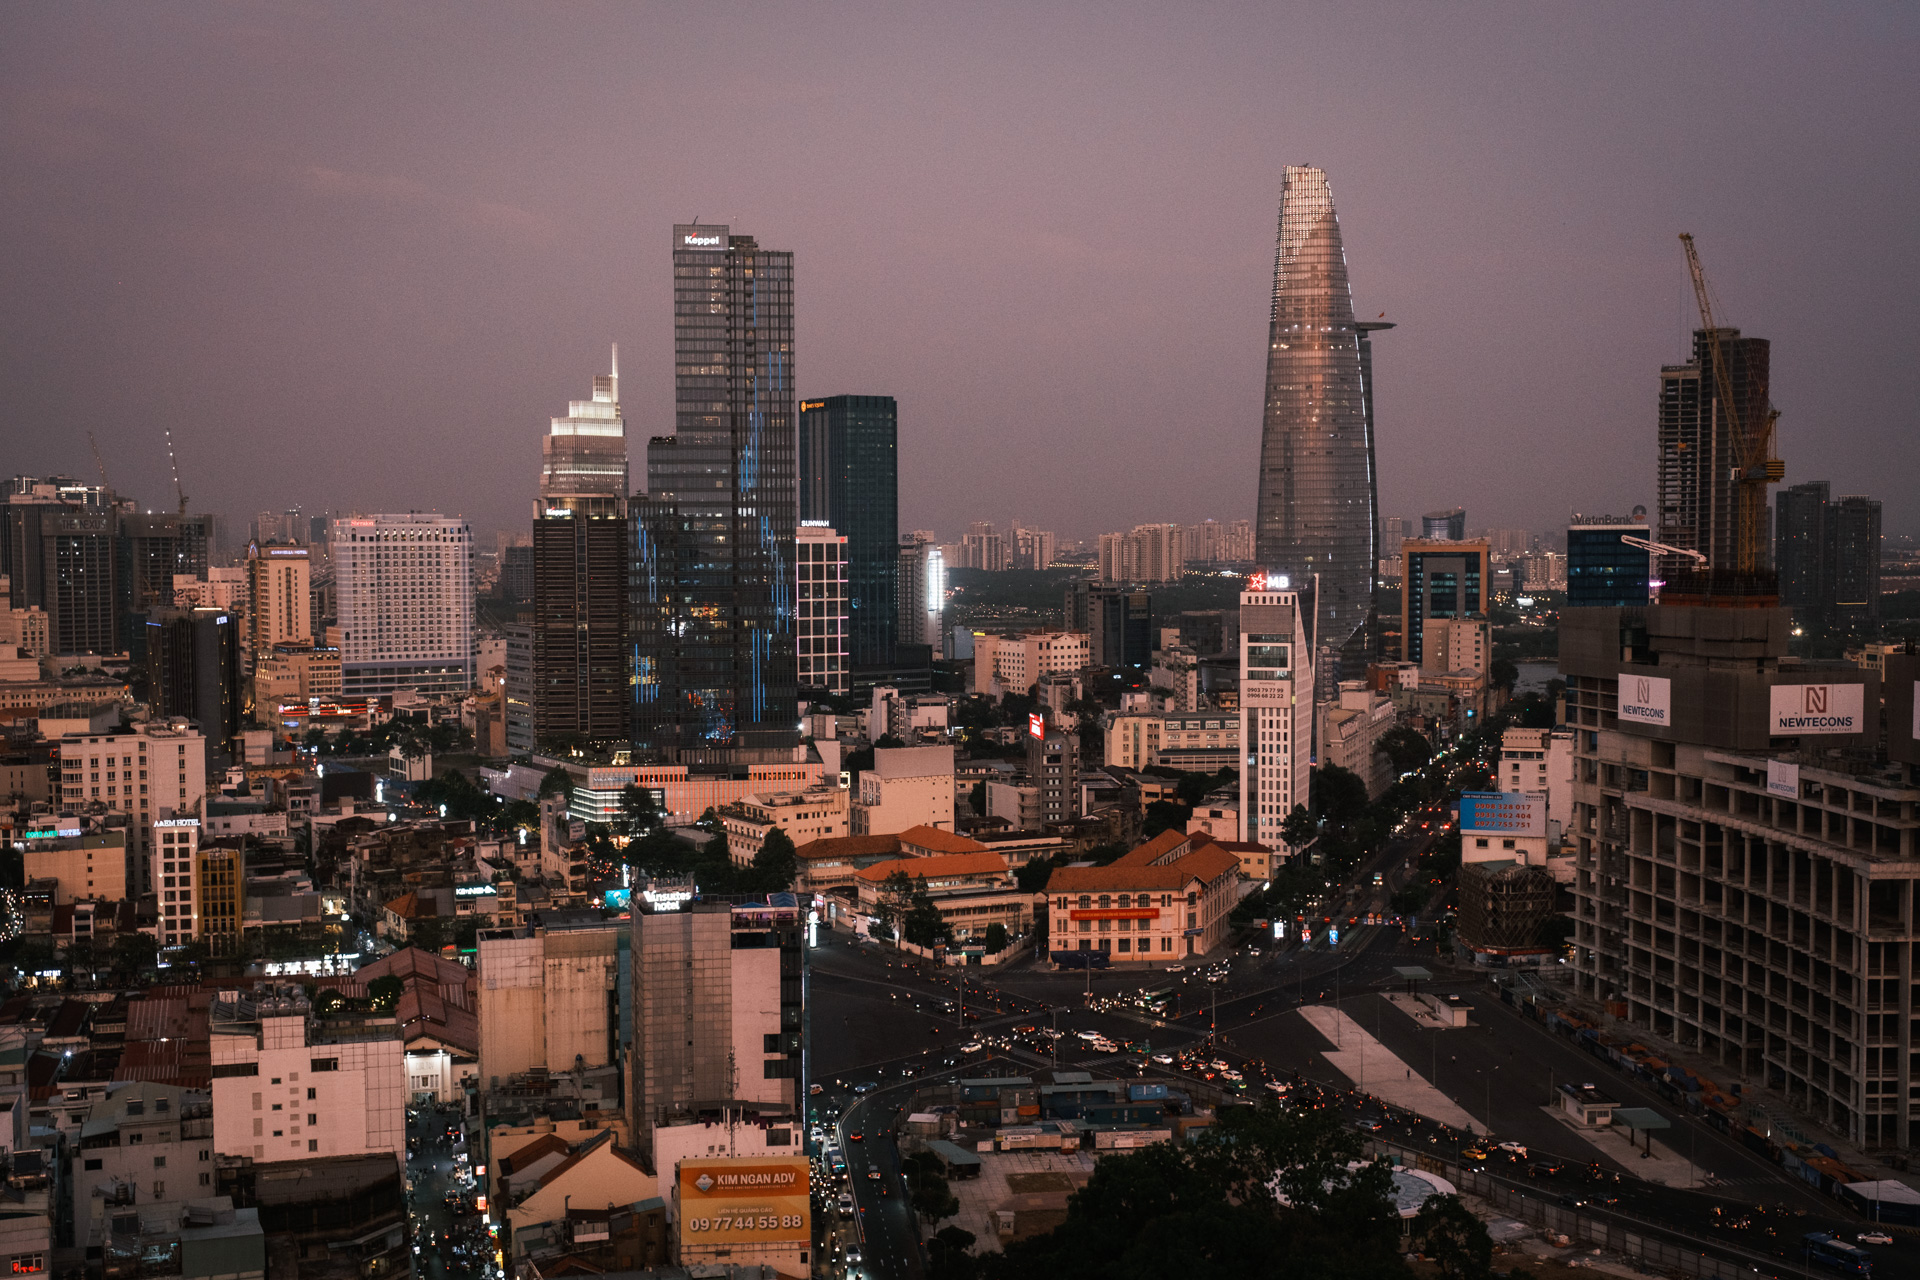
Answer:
(1824, 1250)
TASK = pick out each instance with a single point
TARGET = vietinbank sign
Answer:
(1645, 700)
(1817, 708)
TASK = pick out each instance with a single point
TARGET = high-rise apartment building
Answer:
(1053, 768)
(155, 548)
(850, 480)
(1276, 708)
(279, 582)
(1827, 554)
(406, 603)
(1118, 623)
(1698, 503)
(822, 613)
(1438, 580)
(923, 592)
(578, 692)
(1148, 553)
(1318, 497)
(712, 572)
(985, 547)
(63, 555)
(1602, 571)
(197, 886)
(719, 1004)
(1444, 526)
(193, 673)
(1032, 548)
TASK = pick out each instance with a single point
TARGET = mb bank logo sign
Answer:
(1645, 700)
(1817, 708)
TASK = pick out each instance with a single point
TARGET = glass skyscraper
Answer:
(1316, 512)
(713, 672)
(1603, 571)
(850, 478)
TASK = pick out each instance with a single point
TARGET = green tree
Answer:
(1407, 748)
(1457, 1241)
(932, 1200)
(133, 952)
(923, 924)
(660, 853)
(1032, 877)
(949, 1255)
(1339, 796)
(996, 940)
(1503, 672)
(1298, 828)
(1164, 815)
(777, 863)
(896, 894)
(977, 799)
(384, 992)
(638, 812)
(558, 782)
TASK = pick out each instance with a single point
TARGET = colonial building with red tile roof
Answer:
(1158, 904)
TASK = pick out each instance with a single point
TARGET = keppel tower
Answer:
(1316, 516)
(714, 676)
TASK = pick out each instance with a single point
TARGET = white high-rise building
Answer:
(405, 586)
(1276, 708)
(923, 591)
(279, 586)
(820, 607)
(145, 773)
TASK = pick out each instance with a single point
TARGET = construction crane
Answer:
(1662, 549)
(1754, 466)
(99, 463)
(175, 464)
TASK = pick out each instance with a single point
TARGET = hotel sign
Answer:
(1800, 709)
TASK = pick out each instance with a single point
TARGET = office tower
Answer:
(1276, 708)
(1698, 499)
(850, 480)
(822, 614)
(580, 548)
(518, 688)
(193, 673)
(1118, 623)
(1803, 548)
(154, 549)
(923, 592)
(1602, 571)
(279, 583)
(1315, 516)
(516, 573)
(406, 603)
(1444, 526)
(986, 547)
(62, 556)
(1438, 580)
(1856, 560)
(1053, 768)
(712, 571)
(719, 1001)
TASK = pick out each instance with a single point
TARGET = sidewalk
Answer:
(1376, 1069)
(1665, 1166)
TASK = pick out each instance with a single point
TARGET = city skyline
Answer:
(353, 249)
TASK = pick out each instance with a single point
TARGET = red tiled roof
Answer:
(847, 847)
(1153, 850)
(946, 864)
(925, 837)
(1205, 864)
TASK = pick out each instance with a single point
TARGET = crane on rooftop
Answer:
(174, 462)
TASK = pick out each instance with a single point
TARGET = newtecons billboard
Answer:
(752, 1200)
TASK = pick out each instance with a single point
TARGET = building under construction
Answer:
(1505, 907)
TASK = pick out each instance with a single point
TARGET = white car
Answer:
(1874, 1237)
(972, 1046)
(845, 1202)
(1164, 1059)
(1517, 1148)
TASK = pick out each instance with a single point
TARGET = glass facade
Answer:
(850, 479)
(1316, 508)
(1439, 580)
(1604, 572)
(712, 575)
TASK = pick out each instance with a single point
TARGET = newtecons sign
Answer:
(1801, 709)
(1645, 700)
(754, 1200)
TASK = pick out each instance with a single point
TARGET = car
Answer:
(1516, 1148)
(873, 1175)
(1874, 1237)
(853, 1255)
(1367, 1126)
(844, 1203)
(972, 1046)
(1473, 1153)
(814, 1089)
(1164, 1059)
(865, 1086)
(1545, 1168)
(856, 1137)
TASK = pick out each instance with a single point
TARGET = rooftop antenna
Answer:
(174, 462)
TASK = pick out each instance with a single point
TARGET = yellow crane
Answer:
(1754, 466)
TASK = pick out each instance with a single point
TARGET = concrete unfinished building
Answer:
(1747, 855)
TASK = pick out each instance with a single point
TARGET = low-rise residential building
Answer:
(1166, 900)
(1204, 741)
(1350, 731)
(290, 1085)
(1014, 663)
(1540, 760)
(1133, 740)
(818, 813)
(907, 787)
(142, 1147)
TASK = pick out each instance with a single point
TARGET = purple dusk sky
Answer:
(356, 255)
